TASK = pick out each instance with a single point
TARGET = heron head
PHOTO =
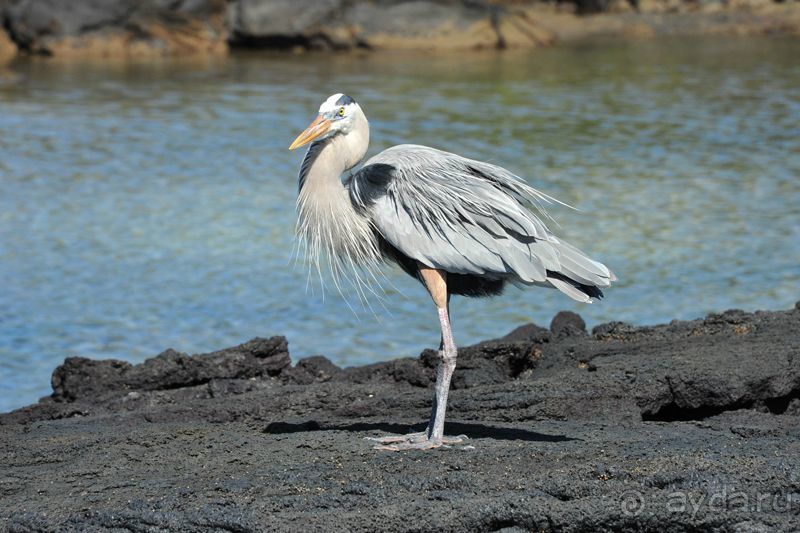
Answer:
(336, 115)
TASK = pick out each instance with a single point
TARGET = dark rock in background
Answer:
(528, 332)
(568, 324)
(286, 23)
(312, 369)
(336, 24)
(146, 28)
(8, 49)
(631, 428)
(117, 28)
(81, 378)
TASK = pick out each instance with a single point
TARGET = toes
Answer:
(391, 439)
(400, 446)
(386, 440)
(414, 441)
(460, 439)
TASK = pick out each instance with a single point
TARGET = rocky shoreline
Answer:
(683, 426)
(124, 29)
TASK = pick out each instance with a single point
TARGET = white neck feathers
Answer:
(327, 224)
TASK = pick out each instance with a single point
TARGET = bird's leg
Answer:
(433, 437)
(419, 435)
(432, 420)
(444, 372)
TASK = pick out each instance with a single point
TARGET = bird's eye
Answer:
(341, 111)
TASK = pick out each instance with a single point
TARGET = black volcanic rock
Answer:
(631, 428)
(568, 324)
(81, 378)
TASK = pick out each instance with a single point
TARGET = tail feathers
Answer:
(577, 266)
(578, 276)
(574, 289)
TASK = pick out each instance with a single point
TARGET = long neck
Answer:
(327, 223)
(326, 160)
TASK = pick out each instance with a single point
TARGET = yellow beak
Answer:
(315, 130)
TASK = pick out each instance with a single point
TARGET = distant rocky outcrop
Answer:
(340, 24)
(8, 50)
(116, 28)
(7, 47)
(471, 24)
(136, 28)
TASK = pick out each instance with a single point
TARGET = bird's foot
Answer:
(419, 436)
(416, 441)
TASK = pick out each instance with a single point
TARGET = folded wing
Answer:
(469, 217)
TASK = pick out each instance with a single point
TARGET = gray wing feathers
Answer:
(468, 217)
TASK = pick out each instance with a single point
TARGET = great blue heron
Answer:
(458, 225)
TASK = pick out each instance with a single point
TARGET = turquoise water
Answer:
(152, 205)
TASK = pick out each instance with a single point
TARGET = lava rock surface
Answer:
(677, 427)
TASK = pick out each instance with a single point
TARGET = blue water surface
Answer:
(151, 205)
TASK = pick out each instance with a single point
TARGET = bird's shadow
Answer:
(473, 431)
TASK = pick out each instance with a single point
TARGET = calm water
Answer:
(152, 206)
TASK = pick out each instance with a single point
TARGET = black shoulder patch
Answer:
(369, 184)
(378, 175)
(345, 100)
